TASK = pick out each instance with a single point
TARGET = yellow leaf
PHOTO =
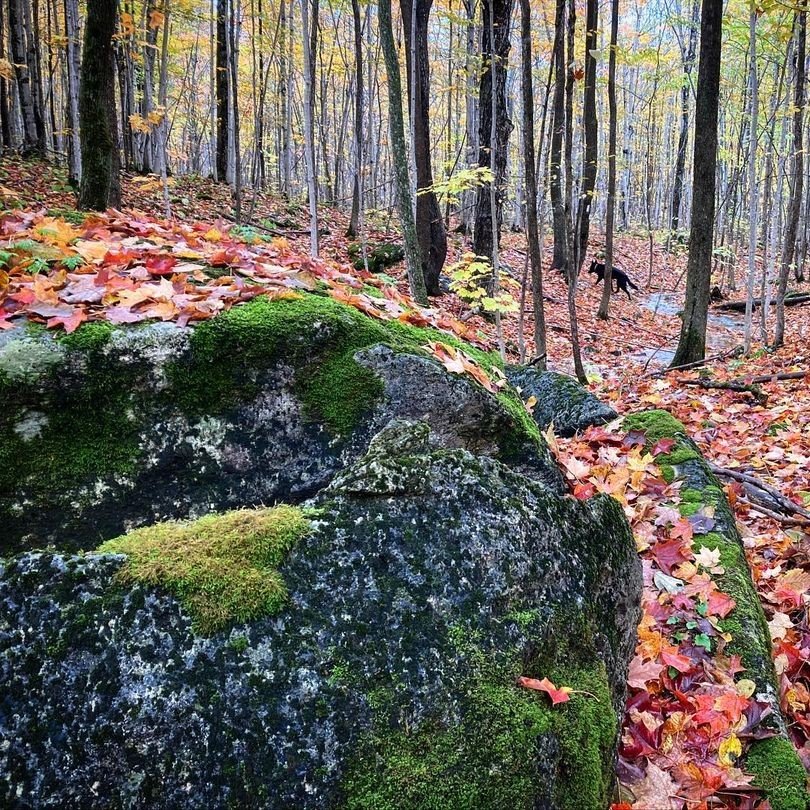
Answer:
(91, 251)
(213, 235)
(745, 687)
(155, 19)
(729, 750)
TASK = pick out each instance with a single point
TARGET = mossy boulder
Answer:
(559, 399)
(378, 257)
(417, 587)
(111, 428)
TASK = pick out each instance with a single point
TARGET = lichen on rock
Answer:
(426, 580)
(115, 428)
(559, 400)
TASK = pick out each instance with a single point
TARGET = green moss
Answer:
(222, 568)
(318, 337)
(779, 772)
(488, 758)
(655, 425)
(89, 337)
(48, 446)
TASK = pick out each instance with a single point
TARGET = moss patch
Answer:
(222, 568)
(318, 337)
(491, 756)
(778, 771)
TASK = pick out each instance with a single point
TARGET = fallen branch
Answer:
(785, 520)
(754, 390)
(787, 375)
(694, 364)
(739, 306)
(774, 495)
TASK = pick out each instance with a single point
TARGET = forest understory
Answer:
(689, 705)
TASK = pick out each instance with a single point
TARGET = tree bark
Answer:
(100, 186)
(610, 214)
(532, 230)
(24, 74)
(794, 209)
(429, 224)
(310, 47)
(591, 132)
(688, 59)
(692, 342)
(73, 62)
(5, 113)
(399, 152)
(223, 97)
(354, 221)
(560, 225)
(501, 12)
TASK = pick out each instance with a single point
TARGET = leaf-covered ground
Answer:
(691, 709)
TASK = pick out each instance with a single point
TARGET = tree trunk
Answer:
(33, 135)
(357, 180)
(429, 224)
(399, 152)
(789, 245)
(310, 45)
(5, 112)
(753, 184)
(73, 62)
(223, 99)
(532, 231)
(692, 342)
(100, 185)
(591, 132)
(688, 58)
(560, 225)
(604, 304)
(501, 12)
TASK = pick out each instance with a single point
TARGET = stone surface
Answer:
(109, 429)
(560, 399)
(432, 579)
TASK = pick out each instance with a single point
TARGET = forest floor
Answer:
(681, 741)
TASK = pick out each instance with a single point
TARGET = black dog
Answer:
(621, 278)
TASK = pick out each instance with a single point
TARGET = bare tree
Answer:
(692, 342)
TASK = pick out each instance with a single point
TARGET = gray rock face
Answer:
(120, 428)
(560, 399)
(432, 579)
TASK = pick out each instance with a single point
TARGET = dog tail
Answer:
(631, 285)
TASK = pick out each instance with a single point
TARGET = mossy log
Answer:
(774, 762)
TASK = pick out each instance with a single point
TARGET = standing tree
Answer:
(558, 201)
(101, 184)
(399, 153)
(604, 304)
(692, 342)
(591, 127)
(794, 209)
(494, 48)
(688, 61)
(310, 36)
(532, 231)
(429, 223)
(357, 179)
(223, 96)
(26, 72)
(753, 181)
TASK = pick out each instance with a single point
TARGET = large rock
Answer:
(112, 428)
(560, 400)
(430, 580)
